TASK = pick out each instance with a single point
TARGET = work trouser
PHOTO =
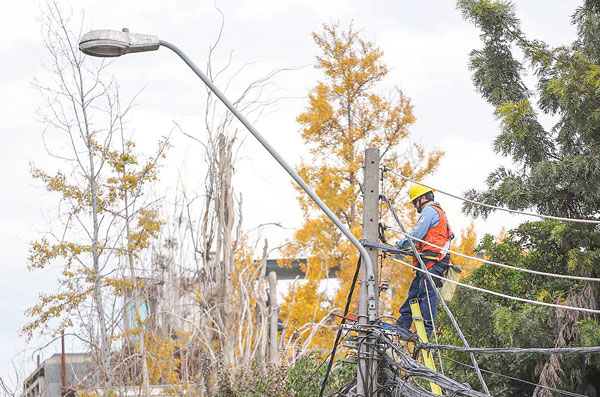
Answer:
(421, 289)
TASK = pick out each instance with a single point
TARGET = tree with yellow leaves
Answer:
(104, 221)
(345, 115)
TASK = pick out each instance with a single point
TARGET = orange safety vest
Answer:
(440, 235)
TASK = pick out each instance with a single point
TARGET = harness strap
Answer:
(449, 235)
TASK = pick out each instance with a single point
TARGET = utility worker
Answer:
(434, 228)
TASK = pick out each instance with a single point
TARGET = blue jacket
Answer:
(428, 219)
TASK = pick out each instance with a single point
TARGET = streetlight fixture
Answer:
(112, 43)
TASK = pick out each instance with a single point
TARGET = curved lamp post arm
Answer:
(290, 170)
(112, 43)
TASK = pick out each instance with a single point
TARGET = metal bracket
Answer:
(385, 247)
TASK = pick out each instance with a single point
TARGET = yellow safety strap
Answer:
(431, 258)
(420, 327)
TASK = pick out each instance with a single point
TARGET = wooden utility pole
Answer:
(367, 365)
(273, 316)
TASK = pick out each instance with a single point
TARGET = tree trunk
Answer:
(98, 300)
(273, 316)
(136, 300)
(226, 220)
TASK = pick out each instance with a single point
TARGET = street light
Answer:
(112, 43)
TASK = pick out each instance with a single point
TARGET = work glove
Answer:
(399, 243)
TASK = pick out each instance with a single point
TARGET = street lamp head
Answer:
(112, 43)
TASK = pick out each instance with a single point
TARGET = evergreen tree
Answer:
(556, 171)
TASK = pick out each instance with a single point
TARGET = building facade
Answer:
(46, 379)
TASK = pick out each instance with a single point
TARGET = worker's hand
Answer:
(400, 243)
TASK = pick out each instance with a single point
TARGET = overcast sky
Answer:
(426, 46)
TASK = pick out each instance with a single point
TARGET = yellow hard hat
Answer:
(417, 190)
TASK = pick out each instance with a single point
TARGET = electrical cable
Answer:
(444, 305)
(339, 332)
(515, 350)
(341, 389)
(564, 392)
(520, 269)
(487, 291)
(401, 361)
(557, 218)
(369, 367)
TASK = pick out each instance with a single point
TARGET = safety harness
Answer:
(440, 235)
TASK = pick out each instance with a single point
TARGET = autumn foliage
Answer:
(344, 116)
(180, 300)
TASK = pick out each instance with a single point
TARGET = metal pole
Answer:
(367, 260)
(367, 367)
(273, 315)
(63, 364)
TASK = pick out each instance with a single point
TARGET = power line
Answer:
(556, 306)
(520, 269)
(515, 350)
(410, 367)
(564, 392)
(557, 218)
